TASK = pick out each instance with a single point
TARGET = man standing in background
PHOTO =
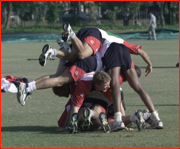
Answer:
(152, 26)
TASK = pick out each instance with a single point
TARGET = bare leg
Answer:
(116, 95)
(61, 68)
(56, 81)
(134, 82)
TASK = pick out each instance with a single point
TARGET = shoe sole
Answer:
(85, 121)
(141, 124)
(73, 124)
(156, 127)
(65, 26)
(44, 57)
(104, 124)
(21, 91)
(119, 128)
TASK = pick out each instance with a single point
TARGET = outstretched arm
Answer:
(146, 58)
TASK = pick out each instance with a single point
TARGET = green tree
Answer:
(19, 7)
(161, 11)
(52, 13)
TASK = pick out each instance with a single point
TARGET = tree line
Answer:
(54, 8)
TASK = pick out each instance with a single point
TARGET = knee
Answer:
(60, 82)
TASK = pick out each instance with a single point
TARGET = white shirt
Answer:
(152, 21)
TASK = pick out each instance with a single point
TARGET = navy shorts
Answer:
(81, 67)
(117, 55)
(92, 36)
(91, 102)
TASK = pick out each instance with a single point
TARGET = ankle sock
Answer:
(31, 86)
(54, 52)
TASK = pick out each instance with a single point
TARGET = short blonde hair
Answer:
(101, 77)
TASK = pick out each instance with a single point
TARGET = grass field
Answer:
(33, 125)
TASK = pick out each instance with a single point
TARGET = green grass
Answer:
(33, 125)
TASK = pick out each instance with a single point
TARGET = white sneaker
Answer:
(156, 124)
(140, 122)
(67, 31)
(115, 126)
(67, 27)
(46, 55)
(63, 45)
(22, 94)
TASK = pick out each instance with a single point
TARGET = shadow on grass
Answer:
(156, 105)
(41, 129)
(161, 67)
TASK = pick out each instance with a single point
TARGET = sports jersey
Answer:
(84, 86)
(96, 37)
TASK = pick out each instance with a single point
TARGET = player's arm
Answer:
(146, 58)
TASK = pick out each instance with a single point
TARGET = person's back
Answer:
(152, 20)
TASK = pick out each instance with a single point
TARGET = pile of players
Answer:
(92, 73)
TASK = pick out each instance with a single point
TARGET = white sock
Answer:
(118, 116)
(31, 86)
(91, 113)
(72, 34)
(132, 118)
(54, 52)
(155, 115)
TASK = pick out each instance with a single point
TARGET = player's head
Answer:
(62, 91)
(102, 81)
(138, 71)
(150, 12)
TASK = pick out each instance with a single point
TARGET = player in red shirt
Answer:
(84, 86)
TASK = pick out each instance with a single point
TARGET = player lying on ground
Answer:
(114, 94)
(90, 101)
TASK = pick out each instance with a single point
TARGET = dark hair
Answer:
(138, 71)
(149, 11)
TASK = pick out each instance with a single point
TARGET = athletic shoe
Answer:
(177, 65)
(102, 121)
(147, 116)
(63, 45)
(67, 31)
(22, 94)
(156, 125)
(140, 122)
(73, 126)
(85, 124)
(115, 126)
(46, 55)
